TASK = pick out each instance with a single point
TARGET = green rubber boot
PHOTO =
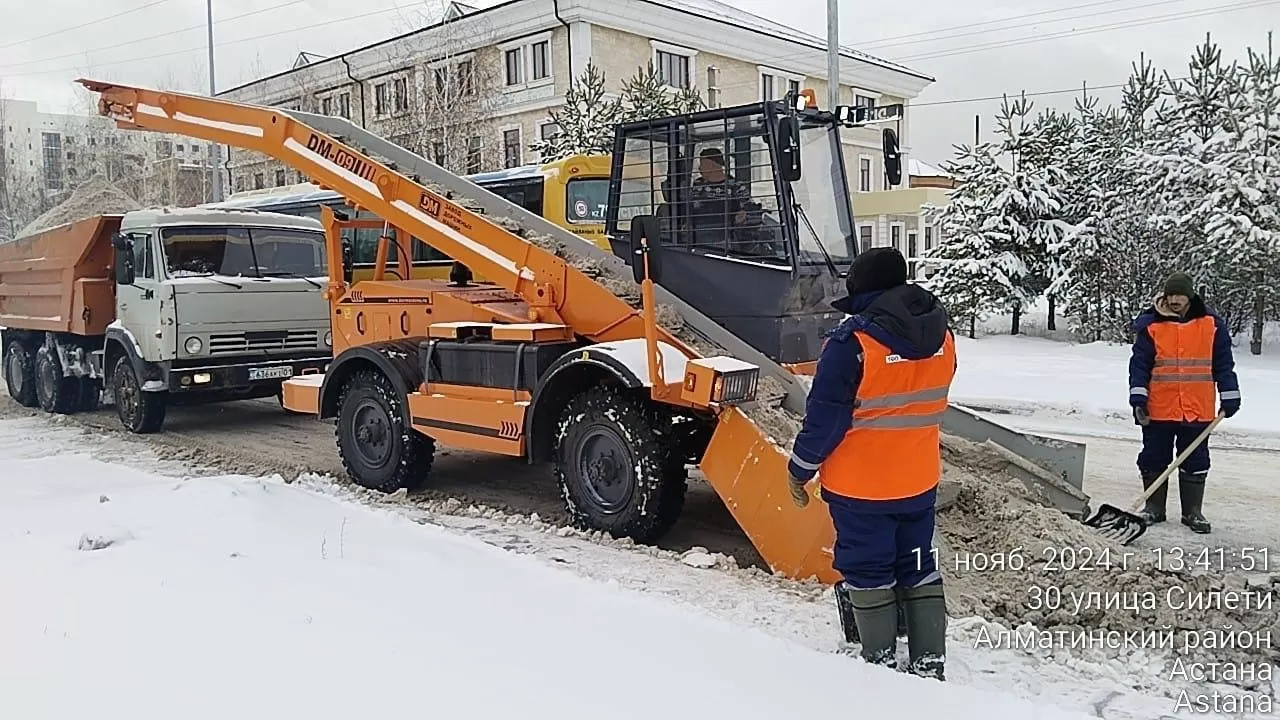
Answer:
(875, 613)
(1153, 511)
(1191, 492)
(926, 611)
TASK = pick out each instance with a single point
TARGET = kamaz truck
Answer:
(162, 307)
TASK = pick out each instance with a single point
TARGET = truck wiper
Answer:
(285, 273)
(211, 276)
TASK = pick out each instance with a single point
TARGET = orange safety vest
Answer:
(1182, 387)
(892, 449)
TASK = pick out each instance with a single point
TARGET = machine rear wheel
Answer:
(615, 472)
(378, 450)
(20, 374)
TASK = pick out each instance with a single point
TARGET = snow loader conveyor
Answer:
(542, 361)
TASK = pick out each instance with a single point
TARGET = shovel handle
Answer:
(1177, 462)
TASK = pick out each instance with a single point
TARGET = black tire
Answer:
(55, 392)
(616, 474)
(90, 398)
(378, 450)
(140, 412)
(20, 374)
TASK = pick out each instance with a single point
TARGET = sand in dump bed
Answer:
(95, 196)
(994, 513)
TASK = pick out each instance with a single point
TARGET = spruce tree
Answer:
(586, 120)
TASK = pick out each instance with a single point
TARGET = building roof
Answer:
(707, 9)
(916, 168)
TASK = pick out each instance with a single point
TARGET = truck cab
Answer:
(212, 305)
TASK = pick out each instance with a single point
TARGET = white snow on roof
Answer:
(715, 10)
(915, 168)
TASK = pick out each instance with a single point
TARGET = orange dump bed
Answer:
(60, 280)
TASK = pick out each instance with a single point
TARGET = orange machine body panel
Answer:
(60, 279)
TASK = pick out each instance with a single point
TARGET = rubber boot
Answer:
(848, 625)
(1153, 512)
(1191, 492)
(925, 608)
(875, 613)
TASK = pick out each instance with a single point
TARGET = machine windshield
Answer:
(243, 252)
(823, 217)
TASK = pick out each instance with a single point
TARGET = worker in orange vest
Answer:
(1181, 350)
(871, 434)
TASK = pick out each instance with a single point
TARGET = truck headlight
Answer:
(193, 345)
(328, 338)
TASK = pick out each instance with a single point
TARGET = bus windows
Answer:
(585, 200)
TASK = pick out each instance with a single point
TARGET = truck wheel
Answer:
(90, 395)
(378, 451)
(20, 374)
(55, 392)
(615, 472)
(140, 412)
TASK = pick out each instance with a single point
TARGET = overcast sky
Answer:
(974, 49)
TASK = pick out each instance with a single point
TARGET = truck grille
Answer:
(233, 343)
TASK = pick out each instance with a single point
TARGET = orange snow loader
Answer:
(542, 361)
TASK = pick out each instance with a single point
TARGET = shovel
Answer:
(1125, 527)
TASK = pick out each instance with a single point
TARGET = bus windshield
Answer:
(243, 252)
(586, 199)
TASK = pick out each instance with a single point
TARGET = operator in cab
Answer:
(871, 434)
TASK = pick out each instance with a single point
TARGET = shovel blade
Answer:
(1119, 525)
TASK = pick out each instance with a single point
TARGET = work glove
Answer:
(1230, 407)
(1140, 416)
(799, 496)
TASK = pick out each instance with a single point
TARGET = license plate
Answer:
(270, 373)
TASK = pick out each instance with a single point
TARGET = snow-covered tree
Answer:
(586, 120)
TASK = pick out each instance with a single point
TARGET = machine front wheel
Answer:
(615, 472)
(378, 450)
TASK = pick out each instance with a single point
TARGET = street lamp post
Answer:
(215, 150)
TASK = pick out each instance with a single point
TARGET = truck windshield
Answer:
(243, 251)
(823, 216)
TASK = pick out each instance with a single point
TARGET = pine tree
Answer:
(967, 268)
(586, 120)
(646, 96)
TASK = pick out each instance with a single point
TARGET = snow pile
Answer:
(221, 565)
(95, 196)
(1016, 562)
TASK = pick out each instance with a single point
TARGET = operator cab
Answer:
(753, 218)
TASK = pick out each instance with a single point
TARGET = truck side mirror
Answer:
(892, 160)
(789, 148)
(348, 262)
(126, 273)
(649, 228)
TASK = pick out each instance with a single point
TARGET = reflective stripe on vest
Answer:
(1182, 387)
(892, 448)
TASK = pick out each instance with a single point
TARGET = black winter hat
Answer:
(1180, 283)
(876, 269)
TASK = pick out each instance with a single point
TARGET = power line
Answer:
(167, 33)
(1039, 93)
(83, 25)
(1154, 20)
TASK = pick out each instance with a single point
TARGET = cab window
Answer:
(585, 200)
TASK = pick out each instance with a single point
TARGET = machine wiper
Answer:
(831, 265)
(286, 273)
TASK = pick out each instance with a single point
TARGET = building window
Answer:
(793, 87)
(774, 84)
(913, 249)
(511, 148)
(549, 130)
(866, 237)
(674, 68)
(326, 106)
(240, 184)
(344, 105)
(401, 88)
(895, 236)
(280, 180)
(766, 87)
(928, 238)
(514, 60)
(475, 155)
(860, 100)
(51, 144)
(466, 78)
(541, 60)
(258, 181)
(864, 174)
(380, 104)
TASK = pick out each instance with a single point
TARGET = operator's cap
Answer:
(874, 270)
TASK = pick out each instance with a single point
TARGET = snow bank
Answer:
(226, 594)
(1004, 371)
